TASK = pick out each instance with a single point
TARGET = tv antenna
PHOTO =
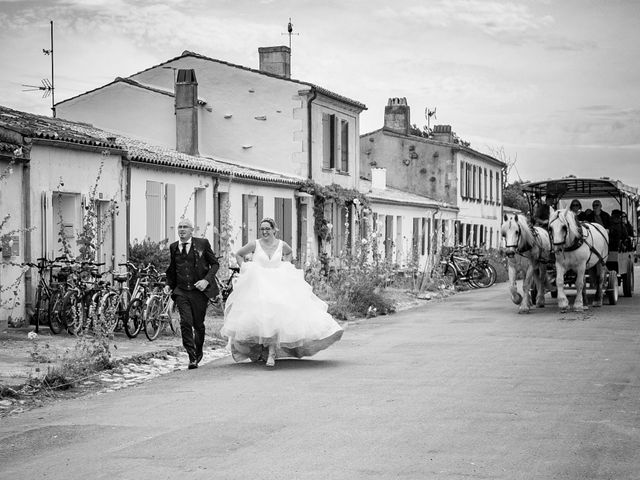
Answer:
(290, 32)
(47, 87)
(428, 114)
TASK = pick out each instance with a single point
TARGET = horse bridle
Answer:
(515, 247)
(577, 244)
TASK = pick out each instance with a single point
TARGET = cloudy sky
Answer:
(554, 84)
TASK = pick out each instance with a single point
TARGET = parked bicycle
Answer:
(46, 292)
(142, 278)
(224, 290)
(159, 312)
(463, 265)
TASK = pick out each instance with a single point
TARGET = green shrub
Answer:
(351, 287)
(145, 252)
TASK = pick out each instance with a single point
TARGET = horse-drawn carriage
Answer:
(615, 263)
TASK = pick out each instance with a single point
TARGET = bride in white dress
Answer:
(272, 308)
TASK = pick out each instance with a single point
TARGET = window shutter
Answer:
(344, 145)
(245, 219)
(170, 212)
(326, 141)
(416, 239)
(278, 210)
(287, 223)
(259, 211)
(154, 210)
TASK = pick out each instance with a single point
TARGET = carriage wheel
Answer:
(612, 288)
(627, 281)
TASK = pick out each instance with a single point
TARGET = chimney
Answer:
(187, 112)
(378, 178)
(397, 116)
(443, 133)
(275, 60)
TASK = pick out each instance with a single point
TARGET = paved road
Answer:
(460, 389)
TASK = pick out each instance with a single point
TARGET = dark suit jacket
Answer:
(590, 216)
(205, 265)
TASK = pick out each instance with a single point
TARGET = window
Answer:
(200, 208)
(251, 215)
(475, 183)
(329, 142)
(335, 143)
(388, 238)
(485, 184)
(344, 145)
(160, 211)
(415, 240)
(283, 217)
(65, 211)
(425, 235)
(491, 186)
(463, 179)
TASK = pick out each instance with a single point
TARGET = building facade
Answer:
(440, 167)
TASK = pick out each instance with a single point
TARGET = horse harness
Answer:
(580, 241)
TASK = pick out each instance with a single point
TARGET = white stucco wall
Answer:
(407, 213)
(77, 170)
(483, 213)
(128, 110)
(10, 202)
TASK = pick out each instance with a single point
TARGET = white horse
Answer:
(580, 248)
(534, 244)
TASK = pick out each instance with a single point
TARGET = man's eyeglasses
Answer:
(265, 229)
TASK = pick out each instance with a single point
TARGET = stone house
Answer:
(440, 167)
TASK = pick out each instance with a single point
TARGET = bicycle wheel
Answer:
(174, 316)
(108, 312)
(151, 317)
(56, 321)
(134, 320)
(480, 277)
(124, 300)
(449, 276)
(41, 307)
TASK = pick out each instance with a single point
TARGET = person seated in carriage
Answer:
(576, 208)
(597, 215)
(618, 233)
(543, 213)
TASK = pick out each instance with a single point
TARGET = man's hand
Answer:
(201, 285)
(167, 289)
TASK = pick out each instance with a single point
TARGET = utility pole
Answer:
(53, 88)
(47, 86)
(290, 32)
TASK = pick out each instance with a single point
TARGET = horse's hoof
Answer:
(579, 309)
(564, 310)
(596, 304)
(540, 305)
(516, 298)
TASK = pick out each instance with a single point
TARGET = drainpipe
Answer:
(127, 202)
(313, 96)
(26, 222)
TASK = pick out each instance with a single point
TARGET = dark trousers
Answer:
(192, 306)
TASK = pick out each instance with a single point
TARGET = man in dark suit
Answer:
(191, 277)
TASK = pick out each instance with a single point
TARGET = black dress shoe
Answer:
(193, 365)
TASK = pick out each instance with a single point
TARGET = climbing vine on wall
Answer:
(343, 197)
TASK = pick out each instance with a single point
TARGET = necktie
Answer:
(184, 248)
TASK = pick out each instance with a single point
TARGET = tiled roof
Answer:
(37, 126)
(401, 197)
(187, 53)
(456, 146)
(133, 83)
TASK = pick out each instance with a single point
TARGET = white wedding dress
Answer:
(271, 303)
